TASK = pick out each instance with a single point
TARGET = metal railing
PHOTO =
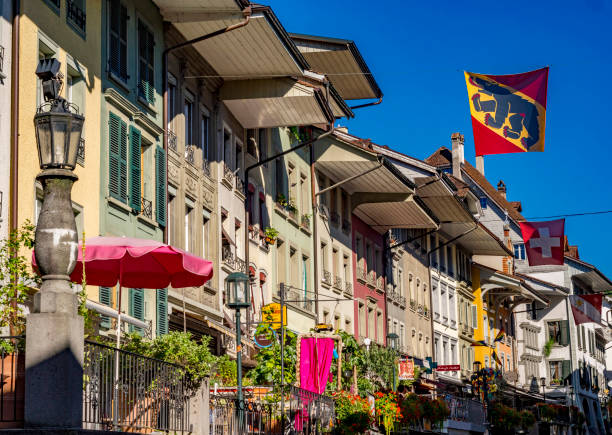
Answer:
(172, 142)
(228, 174)
(305, 413)
(12, 381)
(147, 208)
(296, 297)
(81, 152)
(190, 154)
(231, 260)
(462, 409)
(126, 391)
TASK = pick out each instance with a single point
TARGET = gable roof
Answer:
(442, 158)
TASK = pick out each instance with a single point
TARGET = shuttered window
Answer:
(136, 307)
(135, 168)
(160, 185)
(146, 63)
(118, 39)
(105, 298)
(162, 311)
(117, 159)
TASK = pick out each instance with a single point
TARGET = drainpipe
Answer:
(13, 204)
(431, 251)
(14, 162)
(165, 55)
(374, 103)
(309, 142)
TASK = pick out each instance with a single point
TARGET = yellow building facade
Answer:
(49, 30)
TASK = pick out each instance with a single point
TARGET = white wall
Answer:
(5, 114)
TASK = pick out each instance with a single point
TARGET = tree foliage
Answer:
(16, 277)
(268, 369)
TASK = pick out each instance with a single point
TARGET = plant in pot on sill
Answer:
(270, 235)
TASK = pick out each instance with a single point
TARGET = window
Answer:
(555, 373)
(362, 320)
(281, 268)
(188, 113)
(146, 63)
(380, 332)
(444, 302)
(294, 278)
(262, 141)
(305, 269)
(483, 202)
(292, 176)
(442, 252)
(118, 40)
(75, 15)
(227, 148)
(305, 198)
(188, 223)
(432, 246)
(558, 332)
(449, 257)
(435, 298)
(279, 172)
(344, 204)
(400, 281)
(519, 251)
(263, 212)
(171, 102)
(334, 263)
(171, 217)
(371, 322)
(324, 263)
(251, 143)
(205, 233)
(452, 307)
(204, 137)
(346, 274)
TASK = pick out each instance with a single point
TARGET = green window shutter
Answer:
(565, 369)
(136, 307)
(162, 311)
(160, 186)
(146, 63)
(135, 194)
(117, 158)
(104, 296)
(564, 333)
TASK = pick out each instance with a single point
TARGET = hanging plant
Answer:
(548, 347)
(270, 235)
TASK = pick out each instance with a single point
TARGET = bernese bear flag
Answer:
(586, 308)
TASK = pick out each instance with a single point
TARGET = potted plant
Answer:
(387, 410)
(306, 220)
(352, 413)
(281, 200)
(270, 235)
(290, 207)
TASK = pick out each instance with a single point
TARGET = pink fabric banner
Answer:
(315, 362)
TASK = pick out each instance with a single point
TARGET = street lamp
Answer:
(58, 129)
(237, 297)
(393, 343)
(543, 384)
(479, 377)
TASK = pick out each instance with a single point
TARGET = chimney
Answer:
(458, 155)
(501, 188)
(480, 164)
(507, 260)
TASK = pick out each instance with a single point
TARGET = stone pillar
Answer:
(457, 154)
(54, 330)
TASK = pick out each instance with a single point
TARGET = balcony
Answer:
(228, 176)
(426, 312)
(81, 152)
(231, 261)
(190, 154)
(254, 234)
(146, 208)
(239, 186)
(338, 283)
(419, 309)
(361, 273)
(172, 142)
(413, 304)
(348, 289)
(327, 278)
(297, 298)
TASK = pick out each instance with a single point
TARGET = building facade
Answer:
(6, 43)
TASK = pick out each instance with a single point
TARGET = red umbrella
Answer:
(138, 263)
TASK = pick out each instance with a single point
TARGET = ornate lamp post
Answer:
(393, 342)
(54, 345)
(237, 297)
(543, 385)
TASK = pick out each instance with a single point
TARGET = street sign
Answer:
(406, 370)
(449, 368)
(271, 313)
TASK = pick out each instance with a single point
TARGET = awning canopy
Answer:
(342, 62)
(381, 196)
(266, 80)
(278, 102)
(502, 285)
(594, 280)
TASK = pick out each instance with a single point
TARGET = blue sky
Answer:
(417, 52)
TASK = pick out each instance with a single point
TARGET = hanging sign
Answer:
(449, 368)
(406, 370)
(271, 313)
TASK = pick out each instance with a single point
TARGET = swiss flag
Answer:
(544, 242)
(586, 308)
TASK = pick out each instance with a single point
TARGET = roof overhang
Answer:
(262, 48)
(501, 285)
(342, 62)
(544, 288)
(594, 280)
(381, 196)
(475, 238)
(275, 102)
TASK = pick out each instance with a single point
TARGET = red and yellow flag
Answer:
(508, 111)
